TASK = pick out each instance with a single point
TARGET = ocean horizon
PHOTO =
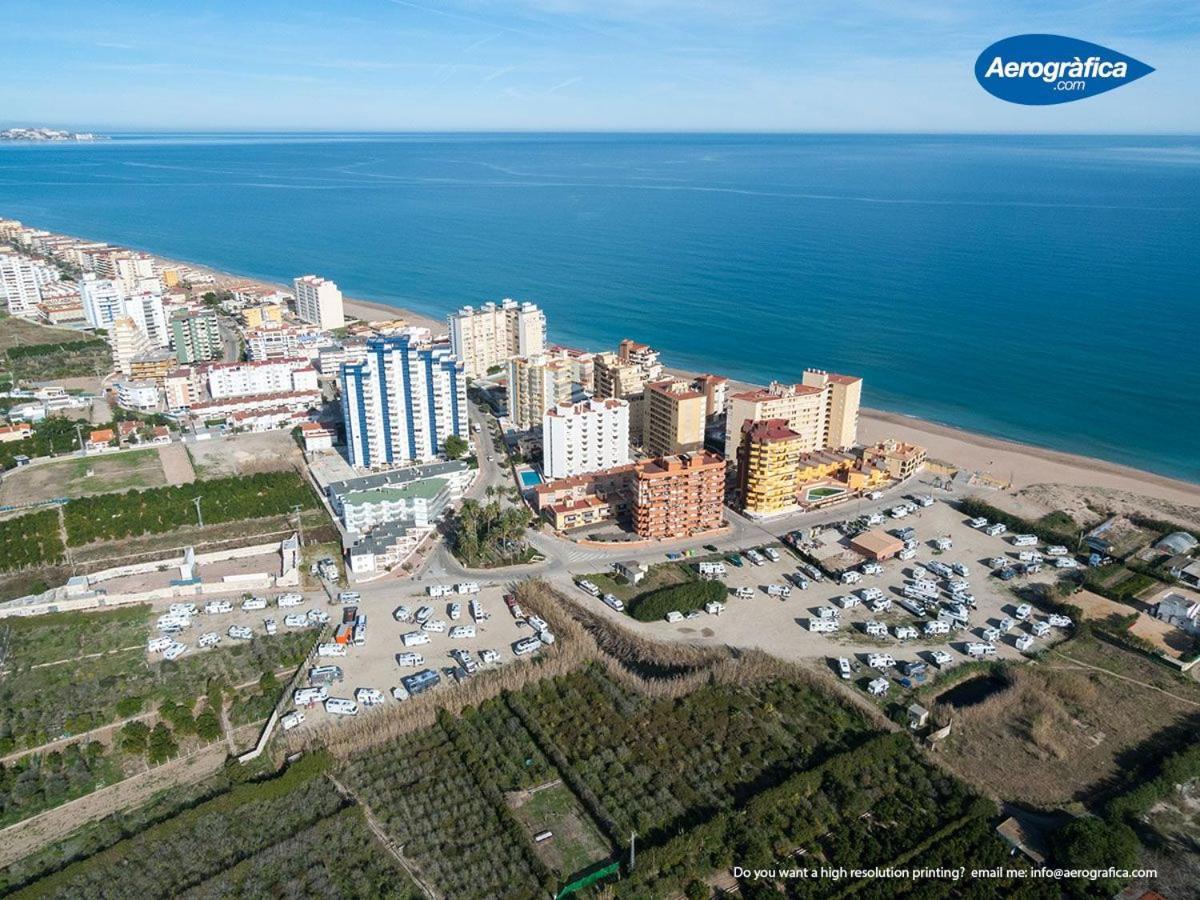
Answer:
(1036, 288)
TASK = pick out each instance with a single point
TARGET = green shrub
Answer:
(681, 597)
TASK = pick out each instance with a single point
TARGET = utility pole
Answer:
(632, 849)
(79, 437)
(199, 515)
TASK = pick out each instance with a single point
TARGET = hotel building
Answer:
(128, 341)
(196, 337)
(585, 437)
(319, 301)
(898, 459)
(402, 402)
(243, 379)
(492, 334)
(21, 282)
(536, 384)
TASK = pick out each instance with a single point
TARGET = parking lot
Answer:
(782, 626)
(374, 664)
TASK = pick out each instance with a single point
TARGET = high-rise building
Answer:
(844, 394)
(401, 403)
(536, 384)
(489, 336)
(128, 341)
(146, 308)
(714, 388)
(823, 411)
(583, 366)
(181, 389)
(623, 375)
(196, 336)
(585, 437)
(768, 463)
(679, 496)
(319, 301)
(102, 301)
(673, 418)
(21, 282)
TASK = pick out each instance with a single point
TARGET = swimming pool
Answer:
(530, 478)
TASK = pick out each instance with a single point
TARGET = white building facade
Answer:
(21, 281)
(585, 437)
(266, 377)
(319, 301)
(492, 334)
(401, 403)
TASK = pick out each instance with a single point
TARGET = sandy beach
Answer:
(1038, 479)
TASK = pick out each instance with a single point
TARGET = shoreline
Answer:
(1024, 465)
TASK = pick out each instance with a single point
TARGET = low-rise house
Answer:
(317, 436)
(632, 571)
(101, 439)
(18, 432)
(1180, 611)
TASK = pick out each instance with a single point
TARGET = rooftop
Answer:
(426, 489)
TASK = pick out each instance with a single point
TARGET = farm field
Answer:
(69, 477)
(575, 844)
(1058, 731)
(18, 332)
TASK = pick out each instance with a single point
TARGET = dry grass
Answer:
(1057, 733)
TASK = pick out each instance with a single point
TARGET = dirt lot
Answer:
(17, 332)
(245, 454)
(176, 464)
(1167, 638)
(69, 477)
(1071, 725)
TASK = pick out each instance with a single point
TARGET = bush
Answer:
(681, 597)
(130, 706)
(1091, 843)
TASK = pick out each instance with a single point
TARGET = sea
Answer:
(1043, 289)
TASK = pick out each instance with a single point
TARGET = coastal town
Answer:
(394, 515)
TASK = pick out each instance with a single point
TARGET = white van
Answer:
(674, 616)
(613, 602)
(844, 667)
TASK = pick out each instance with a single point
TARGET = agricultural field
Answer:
(576, 843)
(67, 673)
(257, 839)
(18, 332)
(1059, 730)
(71, 478)
(34, 539)
(75, 357)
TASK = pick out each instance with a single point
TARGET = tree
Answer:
(162, 744)
(1093, 843)
(454, 447)
(134, 737)
(208, 726)
(129, 706)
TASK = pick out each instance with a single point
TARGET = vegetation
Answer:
(50, 437)
(163, 509)
(454, 447)
(99, 672)
(1053, 528)
(66, 359)
(681, 597)
(34, 539)
(483, 536)
(1092, 843)
(42, 781)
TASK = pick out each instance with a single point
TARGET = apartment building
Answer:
(153, 366)
(821, 411)
(196, 336)
(103, 301)
(715, 389)
(768, 462)
(127, 341)
(181, 388)
(273, 341)
(488, 336)
(21, 283)
(241, 379)
(146, 308)
(402, 402)
(673, 418)
(319, 302)
(585, 437)
(898, 459)
(262, 314)
(536, 384)
(844, 395)
(678, 496)
(583, 366)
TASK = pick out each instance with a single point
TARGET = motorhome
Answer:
(779, 590)
(923, 500)
(906, 632)
(995, 529)
(823, 626)
(937, 626)
(1029, 556)
(846, 601)
(978, 522)
(526, 646)
(349, 597)
(324, 674)
(589, 588)
(828, 612)
(454, 611)
(317, 616)
(369, 696)
(869, 594)
(744, 593)
(340, 706)
(414, 638)
(872, 568)
(422, 681)
(467, 587)
(714, 608)
(1065, 562)
(875, 629)
(771, 553)
(1057, 550)
(402, 614)
(217, 607)
(991, 635)
(1006, 624)
(940, 658)
(158, 644)
(912, 603)
(962, 570)
(286, 600)
(878, 687)
(240, 632)
(980, 649)
(408, 660)
(711, 569)
(400, 693)
(958, 586)
(462, 631)
(1024, 642)
(331, 650)
(477, 611)
(940, 569)
(439, 590)
(907, 553)
(881, 605)
(755, 557)
(851, 577)
(292, 719)
(843, 665)
(613, 602)
(175, 651)
(1058, 621)
(898, 512)
(674, 616)
(270, 627)
(1040, 629)
(880, 661)
(1024, 611)
(489, 656)
(1024, 540)
(943, 543)
(209, 639)
(310, 695)
(422, 615)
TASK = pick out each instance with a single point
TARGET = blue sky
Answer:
(772, 65)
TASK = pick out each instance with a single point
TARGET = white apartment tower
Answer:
(319, 301)
(21, 280)
(493, 334)
(536, 384)
(128, 341)
(401, 403)
(102, 301)
(585, 437)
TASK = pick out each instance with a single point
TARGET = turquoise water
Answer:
(530, 478)
(1042, 289)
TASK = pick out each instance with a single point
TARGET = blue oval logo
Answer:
(1042, 69)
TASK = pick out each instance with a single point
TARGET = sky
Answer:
(574, 65)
